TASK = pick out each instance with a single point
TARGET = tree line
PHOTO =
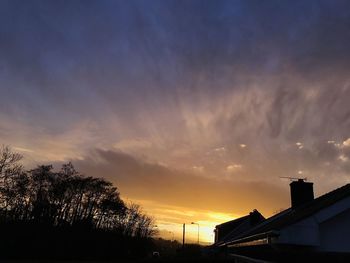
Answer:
(65, 198)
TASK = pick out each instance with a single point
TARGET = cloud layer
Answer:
(214, 98)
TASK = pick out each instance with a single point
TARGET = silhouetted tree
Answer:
(10, 168)
(65, 198)
(66, 214)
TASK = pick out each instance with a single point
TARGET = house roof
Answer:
(293, 215)
(237, 231)
(233, 223)
(240, 225)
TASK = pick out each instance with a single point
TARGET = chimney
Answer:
(301, 192)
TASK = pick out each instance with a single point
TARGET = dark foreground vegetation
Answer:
(47, 214)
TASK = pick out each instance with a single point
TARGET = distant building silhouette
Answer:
(311, 227)
(227, 231)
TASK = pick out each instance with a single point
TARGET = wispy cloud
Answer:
(135, 94)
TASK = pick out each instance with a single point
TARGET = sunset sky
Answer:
(194, 109)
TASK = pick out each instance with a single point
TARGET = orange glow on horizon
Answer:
(170, 220)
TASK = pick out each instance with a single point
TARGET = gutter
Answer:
(265, 238)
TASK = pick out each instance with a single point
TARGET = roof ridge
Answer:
(233, 220)
(326, 197)
(293, 215)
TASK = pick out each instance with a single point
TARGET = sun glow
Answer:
(170, 220)
(206, 230)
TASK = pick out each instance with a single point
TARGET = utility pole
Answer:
(183, 236)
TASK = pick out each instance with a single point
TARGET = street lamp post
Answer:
(193, 223)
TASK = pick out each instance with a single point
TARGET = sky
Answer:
(194, 109)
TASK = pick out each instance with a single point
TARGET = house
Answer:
(229, 230)
(310, 228)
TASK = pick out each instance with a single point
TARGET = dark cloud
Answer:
(60, 50)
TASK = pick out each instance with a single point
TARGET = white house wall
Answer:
(335, 233)
(305, 232)
(332, 210)
(326, 230)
